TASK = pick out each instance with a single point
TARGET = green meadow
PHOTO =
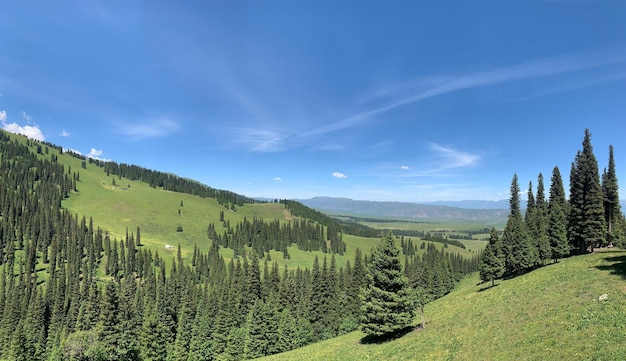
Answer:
(119, 205)
(552, 313)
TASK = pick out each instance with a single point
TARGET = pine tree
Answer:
(200, 346)
(612, 209)
(110, 318)
(530, 221)
(153, 337)
(287, 332)
(186, 315)
(557, 220)
(492, 261)
(540, 227)
(253, 280)
(557, 192)
(387, 303)
(235, 345)
(586, 227)
(316, 302)
(518, 251)
(262, 330)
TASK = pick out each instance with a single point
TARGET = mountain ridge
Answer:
(404, 210)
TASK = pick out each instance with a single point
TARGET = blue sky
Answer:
(390, 101)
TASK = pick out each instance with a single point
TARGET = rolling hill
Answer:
(120, 205)
(552, 313)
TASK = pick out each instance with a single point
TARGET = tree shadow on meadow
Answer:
(486, 287)
(368, 340)
(616, 266)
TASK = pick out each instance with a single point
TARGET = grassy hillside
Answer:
(552, 313)
(119, 204)
(133, 203)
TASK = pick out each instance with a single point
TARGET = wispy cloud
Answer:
(26, 117)
(572, 85)
(256, 140)
(155, 128)
(452, 158)
(437, 161)
(3, 116)
(278, 179)
(339, 175)
(383, 99)
(64, 133)
(398, 95)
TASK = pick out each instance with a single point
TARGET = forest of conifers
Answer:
(557, 227)
(68, 291)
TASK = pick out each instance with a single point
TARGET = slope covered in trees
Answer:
(556, 228)
(70, 290)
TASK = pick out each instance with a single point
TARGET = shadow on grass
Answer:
(368, 340)
(487, 287)
(617, 265)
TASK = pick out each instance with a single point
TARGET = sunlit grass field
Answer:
(552, 313)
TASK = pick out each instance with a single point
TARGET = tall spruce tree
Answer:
(586, 227)
(387, 303)
(492, 261)
(612, 209)
(557, 221)
(519, 254)
(540, 227)
(110, 318)
(530, 221)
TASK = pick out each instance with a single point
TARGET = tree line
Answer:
(557, 227)
(346, 226)
(263, 236)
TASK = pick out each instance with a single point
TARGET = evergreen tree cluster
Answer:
(438, 237)
(264, 236)
(555, 228)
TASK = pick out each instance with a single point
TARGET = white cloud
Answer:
(405, 167)
(278, 179)
(64, 133)
(33, 132)
(95, 154)
(339, 175)
(26, 117)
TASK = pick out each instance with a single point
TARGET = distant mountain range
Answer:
(410, 211)
(474, 204)
(467, 210)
